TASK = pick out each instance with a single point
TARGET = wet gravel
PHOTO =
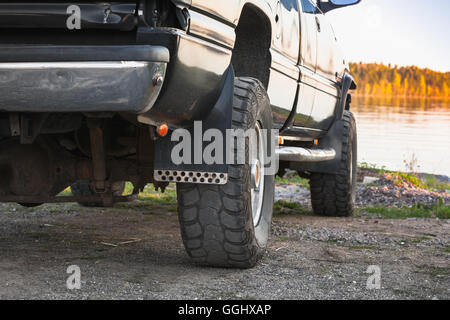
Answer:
(135, 252)
(353, 237)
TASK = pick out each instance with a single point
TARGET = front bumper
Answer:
(81, 78)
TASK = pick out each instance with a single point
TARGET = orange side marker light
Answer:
(162, 130)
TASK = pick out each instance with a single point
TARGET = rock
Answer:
(370, 180)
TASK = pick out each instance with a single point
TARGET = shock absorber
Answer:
(98, 154)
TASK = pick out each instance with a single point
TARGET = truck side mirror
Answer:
(329, 5)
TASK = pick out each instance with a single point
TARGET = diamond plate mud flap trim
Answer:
(213, 178)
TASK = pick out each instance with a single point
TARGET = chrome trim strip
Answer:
(284, 65)
(292, 138)
(317, 81)
(72, 65)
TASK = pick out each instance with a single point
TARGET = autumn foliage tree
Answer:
(380, 80)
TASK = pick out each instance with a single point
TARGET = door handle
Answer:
(318, 24)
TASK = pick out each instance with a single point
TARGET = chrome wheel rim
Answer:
(257, 175)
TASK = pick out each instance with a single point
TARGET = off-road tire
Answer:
(217, 221)
(84, 189)
(333, 195)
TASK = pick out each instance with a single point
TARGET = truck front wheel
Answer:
(334, 195)
(229, 225)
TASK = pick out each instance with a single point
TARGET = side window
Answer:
(309, 6)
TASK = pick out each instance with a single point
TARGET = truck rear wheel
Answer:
(83, 188)
(334, 195)
(229, 225)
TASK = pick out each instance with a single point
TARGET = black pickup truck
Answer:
(93, 94)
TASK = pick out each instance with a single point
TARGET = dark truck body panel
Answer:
(201, 54)
(197, 64)
(112, 15)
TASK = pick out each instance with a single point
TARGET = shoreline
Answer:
(379, 193)
(357, 95)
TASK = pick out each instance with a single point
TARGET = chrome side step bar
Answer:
(297, 154)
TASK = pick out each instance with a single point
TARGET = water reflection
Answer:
(393, 131)
(399, 104)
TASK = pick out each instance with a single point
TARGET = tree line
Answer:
(375, 79)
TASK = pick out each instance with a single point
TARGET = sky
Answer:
(400, 32)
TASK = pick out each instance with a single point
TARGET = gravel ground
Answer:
(135, 252)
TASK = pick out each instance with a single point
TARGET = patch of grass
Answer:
(421, 239)
(336, 240)
(149, 194)
(432, 183)
(151, 202)
(168, 197)
(372, 167)
(293, 178)
(438, 210)
(134, 280)
(282, 207)
(324, 269)
(66, 193)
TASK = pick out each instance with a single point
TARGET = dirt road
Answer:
(135, 252)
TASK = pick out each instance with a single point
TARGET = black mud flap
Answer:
(197, 169)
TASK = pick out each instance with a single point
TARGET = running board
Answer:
(297, 154)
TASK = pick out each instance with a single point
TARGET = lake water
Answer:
(394, 131)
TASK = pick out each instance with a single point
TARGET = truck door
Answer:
(326, 42)
(327, 93)
(284, 74)
(308, 53)
(307, 64)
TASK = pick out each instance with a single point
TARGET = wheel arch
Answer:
(348, 83)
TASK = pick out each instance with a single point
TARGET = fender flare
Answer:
(348, 83)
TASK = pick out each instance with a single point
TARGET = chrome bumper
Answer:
(93, 86)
